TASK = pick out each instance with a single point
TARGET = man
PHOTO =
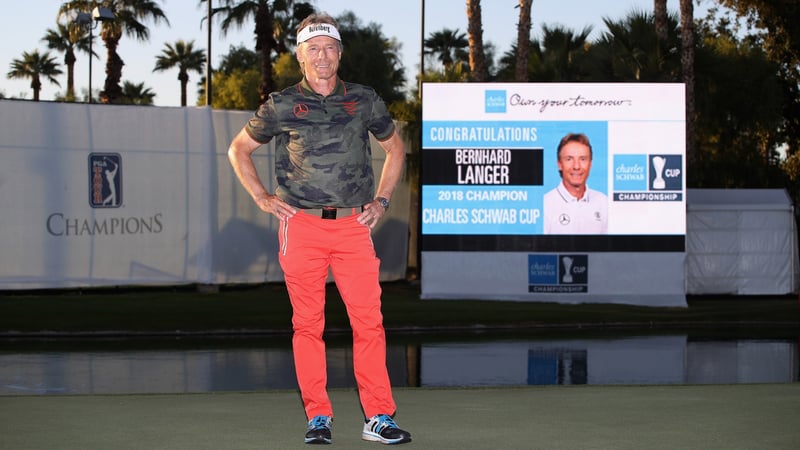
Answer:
(327, 204)
(572, 207)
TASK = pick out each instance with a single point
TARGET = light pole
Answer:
(421, 47)
(208, 57)
(89, 22)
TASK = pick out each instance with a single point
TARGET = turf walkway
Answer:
(755, 416)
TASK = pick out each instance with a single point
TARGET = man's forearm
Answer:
(392, 167)
(240, 155)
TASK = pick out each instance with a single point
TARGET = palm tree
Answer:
(661, 22)
(449, 45)
(477, 57)
(185, 57)
(35, 66)
(523, 40)
(561, 55)
(137, 94)
(66, 39)
(272, 23)
(562, 49)
(660, 15)
(631, 50)
(127, 16)
(287, 17)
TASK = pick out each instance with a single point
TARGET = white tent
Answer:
(741, 241)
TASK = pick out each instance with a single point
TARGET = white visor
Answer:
(318, 29)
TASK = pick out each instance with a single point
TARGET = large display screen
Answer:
(493, 180)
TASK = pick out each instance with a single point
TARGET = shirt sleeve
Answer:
(381, 124)
(264, 125)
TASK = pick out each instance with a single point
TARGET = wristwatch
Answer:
(383, 202)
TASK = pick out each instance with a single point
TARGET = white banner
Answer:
(101, 195)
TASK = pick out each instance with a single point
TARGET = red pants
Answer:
(310, 245)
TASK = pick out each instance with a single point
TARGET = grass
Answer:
(266, 309)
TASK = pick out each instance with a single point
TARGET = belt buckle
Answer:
(329, 213)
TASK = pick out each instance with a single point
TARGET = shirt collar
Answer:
(569, 197)
(305, 88)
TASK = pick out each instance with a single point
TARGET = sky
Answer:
(24, 26)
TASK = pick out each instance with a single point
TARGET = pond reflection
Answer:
(244, 365)
(634, 360)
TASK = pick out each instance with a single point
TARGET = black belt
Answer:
(333, 213)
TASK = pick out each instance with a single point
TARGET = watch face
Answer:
(384, 202)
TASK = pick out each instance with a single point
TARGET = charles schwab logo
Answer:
(495, 101)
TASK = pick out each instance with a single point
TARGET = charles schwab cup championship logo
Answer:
(558, 274)
(655, 178)
(105, 180)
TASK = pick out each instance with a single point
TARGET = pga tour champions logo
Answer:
(105, 180)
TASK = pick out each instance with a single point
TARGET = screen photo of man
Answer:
(572, 207)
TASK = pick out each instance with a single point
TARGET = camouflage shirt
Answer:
(322, 150)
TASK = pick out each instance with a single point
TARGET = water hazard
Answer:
(203, 365)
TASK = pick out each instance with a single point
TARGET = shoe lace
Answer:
(385, 421)
(318, 422)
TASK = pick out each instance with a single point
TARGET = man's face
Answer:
(321, 55)
(575, 162)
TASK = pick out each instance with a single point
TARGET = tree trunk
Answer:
(687, 66)
(477, 58)
(112, 91)
(265, 43)
(523, 39)
(183, 77)
(660, 18)
(36, 85)
(69, 61)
